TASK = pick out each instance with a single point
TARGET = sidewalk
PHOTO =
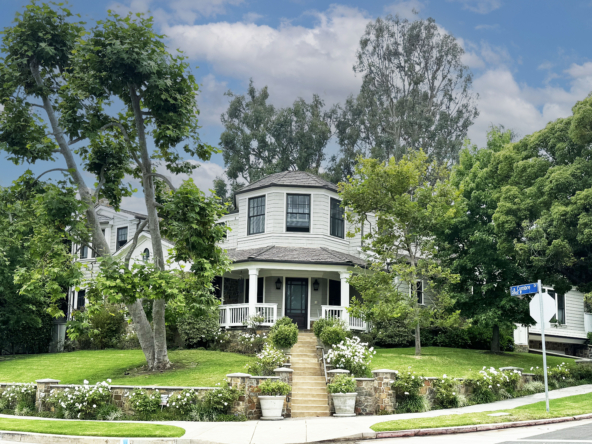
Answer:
(302, 430)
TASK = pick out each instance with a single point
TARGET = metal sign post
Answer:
(519, 290)
(542, 321)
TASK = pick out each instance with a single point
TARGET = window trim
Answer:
(309, 213)
(331, 199)
(83, 249)
(117, 247)
(264, 197)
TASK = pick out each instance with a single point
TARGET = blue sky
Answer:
(530, 58)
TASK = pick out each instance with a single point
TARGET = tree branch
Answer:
(38, 106)
(73, 141)
(166, 179)
(49, 171)
(134, 243)
(127, 140)
(101, 183)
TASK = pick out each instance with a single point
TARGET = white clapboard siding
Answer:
(273, 295)
(574, 318)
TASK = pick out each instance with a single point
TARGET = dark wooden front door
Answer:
(297, 300)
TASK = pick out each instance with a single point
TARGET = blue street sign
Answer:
(518, 290)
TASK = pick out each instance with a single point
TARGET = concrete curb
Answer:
(41, 438)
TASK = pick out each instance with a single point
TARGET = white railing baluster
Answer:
(233, 315)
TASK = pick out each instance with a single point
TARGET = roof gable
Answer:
(297, 179)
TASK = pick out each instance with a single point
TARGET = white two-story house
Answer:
(288, 245)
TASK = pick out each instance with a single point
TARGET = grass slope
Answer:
(194, 368)
(569, 406)
(91, 428)
(456, 362)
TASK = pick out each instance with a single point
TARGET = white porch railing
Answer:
(333, 311)
(237, 315)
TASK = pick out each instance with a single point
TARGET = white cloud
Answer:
(211, 100)
(292, 60)
(405, 8)
(578, 71)
(134, 203)
(179, 11)
(203, 176)
(480, 6)
(251, 17)
(545, 66)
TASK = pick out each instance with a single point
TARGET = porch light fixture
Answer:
(315, 285)
(278, 284)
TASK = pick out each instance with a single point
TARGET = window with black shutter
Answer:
(256, 222)
(337, 219)
(298, 213)
(121, 237)
(81, 299)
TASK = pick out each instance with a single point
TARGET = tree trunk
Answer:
(495, 340)
(417, 340)
(161, 359)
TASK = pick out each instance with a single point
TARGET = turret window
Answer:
(337, 219)
(256, 222)
(298, 213)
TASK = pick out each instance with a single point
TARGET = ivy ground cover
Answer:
(569, 406)
(455, 362)
(191, 368)
(91, 428)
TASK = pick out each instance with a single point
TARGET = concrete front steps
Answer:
(309, 390)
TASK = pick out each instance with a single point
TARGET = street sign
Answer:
(518, 290)
(549, 307)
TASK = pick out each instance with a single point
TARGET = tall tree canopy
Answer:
(399, 206)
(259, 139)
(469, 245)
(108, 90)
(544, 213)
(415, 94)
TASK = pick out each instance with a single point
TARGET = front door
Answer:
(297, 301)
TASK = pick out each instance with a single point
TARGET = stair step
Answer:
(314, 408)
(311, 384)
(308, 415)
(310, 402)
(310, 395)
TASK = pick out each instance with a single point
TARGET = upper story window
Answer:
(121, 237)
(256, 222)
(146, 255)
(559, 317)
(298, 213)
(337, 219)
(83, 252)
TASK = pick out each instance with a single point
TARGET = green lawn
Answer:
(569, 406)
(194, 368)
(455, 362)
(91, 428)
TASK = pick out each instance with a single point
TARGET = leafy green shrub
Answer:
(351, 355)
(109, 412)
(199, 331)
(581, 373)
(267, 361)
(559, 376)
(199, 412)
(534, 387)
(394, 332)
(282, 322)
(446, 392)
(144, 404)
(128, 341)
(80, 402)
(220, 400)
(320, 324)
(333, 335)
(284, 336)
(493, 384)
(181, 403)
(407, 388)
(342, 384)
(98, 327)
(274, 388)
(241, 342)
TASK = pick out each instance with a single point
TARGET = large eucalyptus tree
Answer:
(104, 95)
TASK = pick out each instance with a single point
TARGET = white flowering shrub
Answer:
(559, 376)
(143, 403)
(241, 342)
(18, 394)
(181, 403)
(491, 385)
(351, 354)
(407, 386)
(446, 391)
(220, 400)
(269, 359)
(81, 402)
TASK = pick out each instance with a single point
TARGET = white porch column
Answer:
(521, 339)
(253, 280)
(344, 276)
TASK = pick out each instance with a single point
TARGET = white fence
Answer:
(237, 315)
(333, 311)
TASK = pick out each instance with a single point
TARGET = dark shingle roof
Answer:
(294, 255)
(290, 179)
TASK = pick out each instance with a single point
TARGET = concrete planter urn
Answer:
(271, 407)
(345, 404)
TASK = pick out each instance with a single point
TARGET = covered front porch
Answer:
(302, 292)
